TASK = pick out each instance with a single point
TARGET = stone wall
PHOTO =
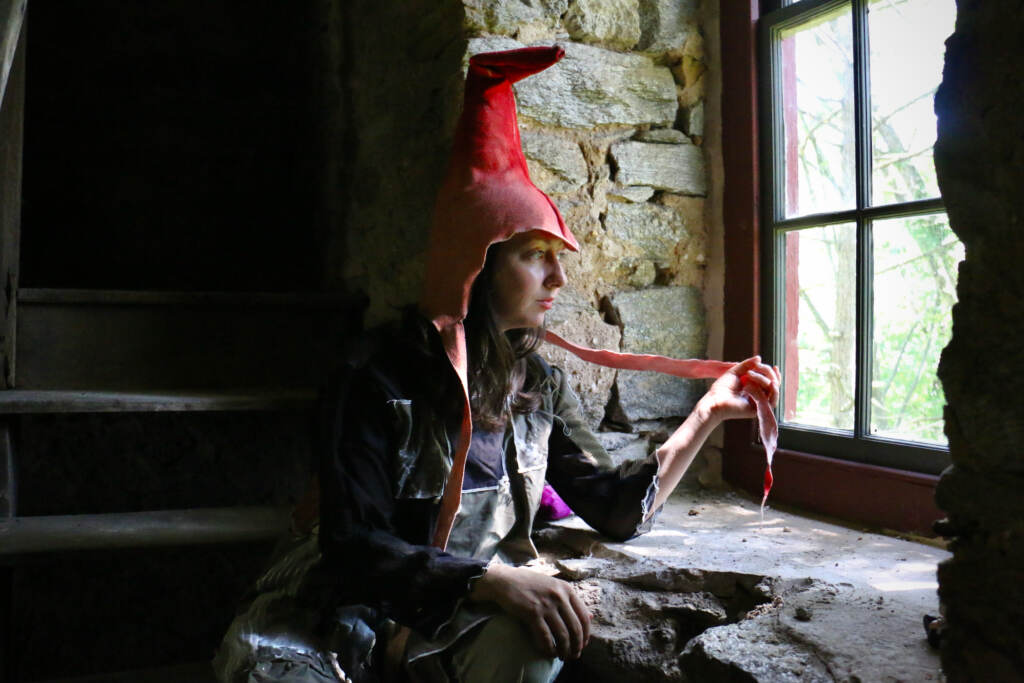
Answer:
(978, 157)
(613, 133)
(399, 97)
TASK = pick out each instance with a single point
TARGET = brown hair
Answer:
(497, 360)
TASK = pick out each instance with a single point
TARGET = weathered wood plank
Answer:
(325, 301)
(137, 347)
(21, 402)
(11, 125)
(8, 488)
(197, 672)
(12, 17)
(68, 533)
(12, 108)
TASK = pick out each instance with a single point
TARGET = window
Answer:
(859, 260)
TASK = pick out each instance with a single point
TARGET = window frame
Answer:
(879, 496)
(861, 446)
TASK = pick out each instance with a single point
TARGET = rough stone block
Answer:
(508, 17)
(556, 164)
(637, 450)
(642, 273)
(651, 229)
(818, 633)
(695, 120)
(631, 193)
(665, 24)
(611, 23)
(593, 87)
(613, 441)
(675, 168)
(576, 320)
(668, 321)
(664, 135)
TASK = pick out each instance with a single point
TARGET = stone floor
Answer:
(715, 593)
(712, 593)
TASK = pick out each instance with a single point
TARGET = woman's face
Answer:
(527, 277)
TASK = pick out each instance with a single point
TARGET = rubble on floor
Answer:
(714, 594)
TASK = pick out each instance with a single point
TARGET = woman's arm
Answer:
(725, 400)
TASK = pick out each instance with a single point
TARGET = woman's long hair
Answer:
(497, 360)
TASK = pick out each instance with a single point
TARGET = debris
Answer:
(934, 628)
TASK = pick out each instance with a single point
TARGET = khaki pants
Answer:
(499, 650)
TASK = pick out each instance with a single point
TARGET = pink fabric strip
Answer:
(688, 369)
(454, 337)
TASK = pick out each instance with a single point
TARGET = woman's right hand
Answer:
(549, 607)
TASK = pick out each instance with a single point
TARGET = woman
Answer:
(440, 437)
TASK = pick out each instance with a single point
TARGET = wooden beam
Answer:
(8, 490)
(23, 536)
(132, 342)
(18, 402)
(12, 16)
(318, 301)
(11, 125)
(197, 672)
(8, 653)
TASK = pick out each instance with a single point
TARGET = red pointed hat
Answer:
(487, 195)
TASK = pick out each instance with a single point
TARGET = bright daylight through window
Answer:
(861, 261)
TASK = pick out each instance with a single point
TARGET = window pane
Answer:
(819, 359)
(906, 66)
(817, 115)
(915, 261)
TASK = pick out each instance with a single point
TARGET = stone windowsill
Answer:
(713, 593)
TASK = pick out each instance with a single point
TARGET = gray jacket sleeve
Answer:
(613, 500)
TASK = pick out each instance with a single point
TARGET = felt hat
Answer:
(487, 195)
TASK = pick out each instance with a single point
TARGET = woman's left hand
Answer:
(726, 400)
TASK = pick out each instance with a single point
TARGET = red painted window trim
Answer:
(881, 496)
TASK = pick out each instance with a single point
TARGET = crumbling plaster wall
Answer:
(614, 133)
(979, 158)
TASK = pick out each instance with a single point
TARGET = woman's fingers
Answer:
(743, 367)
(768, 382)
(542, 636)
(768, 377)
(574, 624)
(561, 632)
(584, 615)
